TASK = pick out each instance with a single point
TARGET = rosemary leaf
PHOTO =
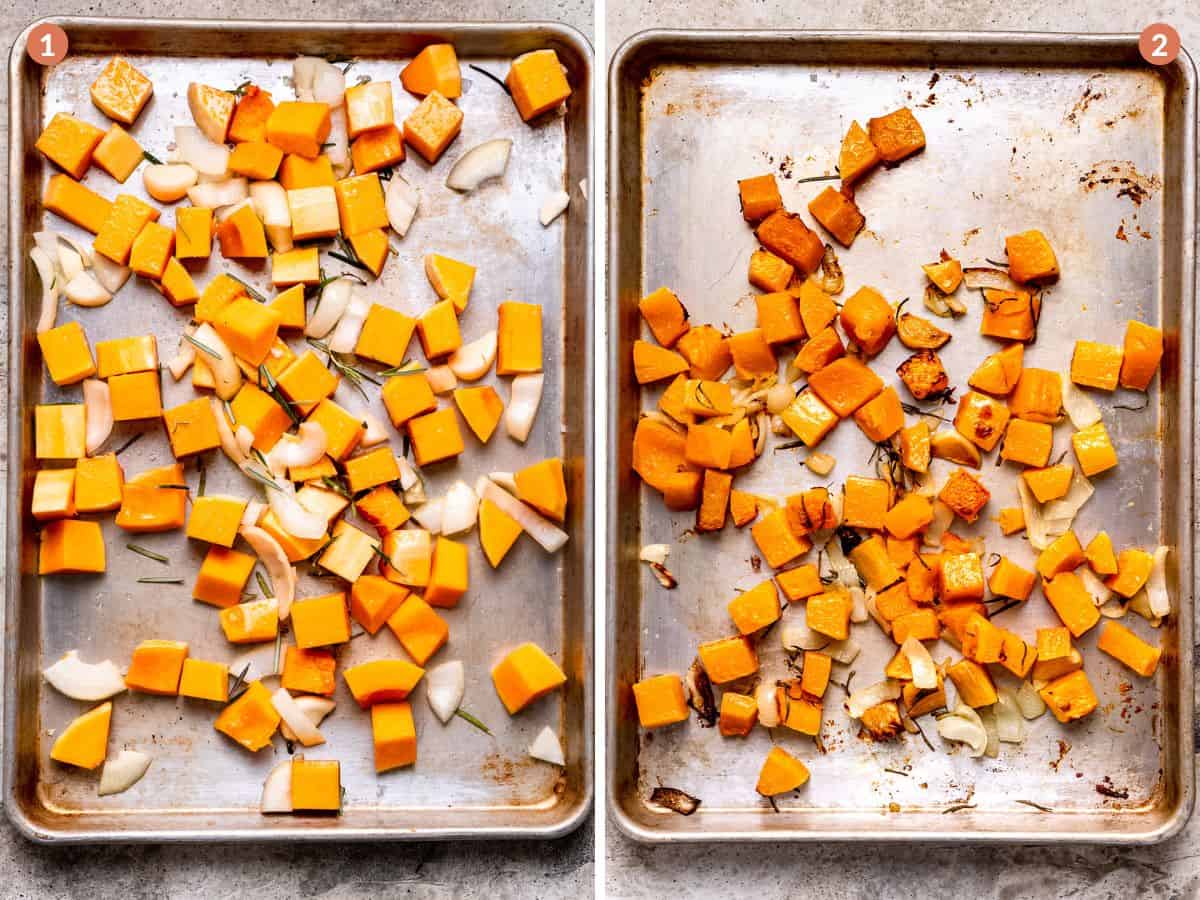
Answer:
(463, 714)
(158, 580)
(491, 76)
(348, 260)
(129, 443)
(151, 158)
(202, 346)
(149, 554)
(262, 584)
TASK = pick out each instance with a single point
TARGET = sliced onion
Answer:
(779, 397)
(965, 727)
(70, 257)
(444, 688)
(275, 561)
(123, 771)
(305, 449)
(442, 379)
(981, 277)
(1029, 701)
(846, 574)
(506, 480)
(184, 356)
(337, 145)
(110, 274)
(374, 432)
(85, 290)
(408, 551)
(228, 212)
(547, 748)
(227, 375)
(304, 73)
(1036, 528)
(864, 698)
(334, 299)
(169, 182)
(429, 515)
(50, 288)
(297, 720)
(271, 207)
(277, 790)
(316, 708)
(553, 206)
(350, 325)
(943, 516)
(470, 362)
(873, 611)
(97, 413)
(924, 672)
(252, 513)
(78, 680)
(193, 148)
(524, 398)
(1156, 584)
(768, 704)
(1081, 409)
(461, 509)
(541, 529)
(294, 518)
(1009, 726)
(1140, 604)
(329, 84)
(228, 442)
(844, 652)
(651, 553)
(858, 610)
(1068, 506)
(401, 200)
(1094, 586)
(219, 194)
(479, 164)
(987, 715)
(1114, 608)
(408, 475)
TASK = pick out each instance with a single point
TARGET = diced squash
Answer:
(828, 613)
(874, 564)
(156, 667)
(360, 204)
(135, 396)
(448, 575)
(728, 659)
(349, 552)
(177, 284)
(435, 68)
(1141, 355)
(309, 671)
(543, 486)
(916, 447)
(118, 153)
(752, 356)
(251, 623)
(897, 135)
(881, 416)
(121, 91)
(519, 340)
(69, 143)
(981, 420)
(314, 212)
(438, 329)
(256, 160)
(393, 735)
(415, 547)
(809, 418)
(537, 83)
(779, 318)
(251, 720)
(865, 502)
(435, 436)
(316, 785)
(1100, 555)
(98, 483)
(53, 494)
(372, 248)
(1011, 520)
(1028, 443)
(858, 155)
(126, 218)
(249, 122)
(222, 576)
(382, 681)
(215, 518)
(759, 197)
(756, 608)
(1096, 365)
(786, 235)
(66, 353)
(706, 351)
(999, 373)
(665, 315)
(1030, 257)
(1094, 450)
(59, 431)
(191, 428)
(965, 494)
(297, 173)
(838, 213)
(419, 629)
(1064, 554)
(84, 742)
(845, 385)
(76, 203)
(1049, 483)
(973, 683)
(1070, 697)
(320, 621)
(738, 714)
(368, 106)
(373, 599)
(1010, 580)
(781, 772)
(1010, 315)
(204, 680)
(306, 383)
(371, 469)
(343, 431)
(299, 127)
(1126, 647)
(430, 128)
(769, 272)
(800, 583)
(381, 148)
(714, 500)
(660, 701)
(147, 506)
(1071, 600)
(960, 578)
(242, 235)
(908, 517)
(193, 233)
(71, 546)
(1133, 571)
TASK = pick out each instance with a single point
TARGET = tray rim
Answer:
(37, 833)
(1185, 67)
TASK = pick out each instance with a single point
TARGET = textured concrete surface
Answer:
(468, 870)
(926, 871)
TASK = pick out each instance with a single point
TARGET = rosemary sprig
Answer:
(149, 554)
(347, 255)
(151, 158)
(261, 478)
(351, 373)
(262, 583)
(129, 443)
(265, 377)
(494, 78)
(335, 484)
(402, 369)
(241, 88)
(203, 470)
(896, 772)
(238, 687)
(159, 580)
(812, 178)
(958, 807)
(1036, 806)
(463, 714)
(172, 487)
(250, 289)
(200, 345)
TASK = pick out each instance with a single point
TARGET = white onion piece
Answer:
(924, 672)
(541, 529)
(334, 299)
(300, 724)
(401, 200)
(374, 432)
(1029, 701)
(245, 439)
(978, 277)
(193, 148)
(779, 397)
(184, 356)
(97, 413)
(525, 395)
(304, 449)
(415, 495)
(1140, 604)
(294, 518)
(1036, 527)
(442, 379)
(219, 194)
(547, 748)
(227, 375)
(795, 634)
(1009, 726)
(350, 325)
(228, 442)
(470, 362)
(252, 513)
(316, 708)
(1094, 586)
(460, 509)
(873, 611)
(70, 264)
(275, 561)
(553, 206)
(965, 727)
(844, 652)
(110, 274)
(329, 85)
(479, 164)
(768, 704)
(337, 144)
(228, 212)
(1081, 409)
(408, 475)
(64, 257)
(987, 715)
(1156, 584)
(78, 680)
(508, 481)
(864, 698)
(847, 574)
(277, 790)
(943, 516)
(1113, 608)
(444, 688)
(271, 206)
(858, 611)
(123, 771)
(1068, 506)
(169, 182)
(50, 287)
(651, 553)
(429, 515)
(304, 73)
(85, 290)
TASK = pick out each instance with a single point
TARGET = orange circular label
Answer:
(1159, 44)
(47, 44)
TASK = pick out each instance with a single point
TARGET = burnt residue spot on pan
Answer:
(1091, 93)
(1106, 788)
(1122, 175)
(1063, 749)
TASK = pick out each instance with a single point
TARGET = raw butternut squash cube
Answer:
(84, 742)
(419, 629)
(1133, 571)
(407, 396)
(897, 135)
(118, 153)
(53, 494)
(435, 436)
(431, 127)
(177, 285)
(251, 623)
(738, 714)
(838, 214)
(482, 408)
(882, 416)
(151, 250)
(378, 149)
(69, 546)
(756, 608)
(349, 552)
(204, 680)
(249, 122)
(800, 583)
(965, 494)
(1027, 443)
(299, 266)
(981, 420)
(76, 203)
(382, 680)
(781, 772)
(1010, 315)
(126, 218)
(448, 578)
(1141, 355)
(372, 248)
(156, 667)
(1049, 483)
(309, 671)
(1100, 556)
(212, 110)
(290, 306)
(828, 613)
(314, 212)
(526, 674)
(306, 382)
(256, 160)
(779, 318)
(998, 374)
(960, 578)
(215, 518)
(435, 68)
(665, 315)
(1096, 365)
(858, 155)
(191, 428)
(519, 339)
(537, 83)
(251, 720)
(371, 469)
(1070, 697)
(343, 430)
(1030, 257)
(148, 506)
(413, 549)
(866, 502)
(135, 396)
(707, 352)
(360, 204)
(973, 683)
(222, 576)
(320, 621)
(908, 517)
(1071, 600)
(322, 468)
(385, 337)
(321, 501)
(438, 330)
(59, 431)
(242, 235)
(299, 127)
(258, 411)
(451, 279)
(1010, 580)
(193, 233)
(373, 599)
(776, 541)
(394, 735)
(297, 173)
(809, 418)
(498, 531)
(69, 143)
(121, 91)
(845, 385)
(543, 486)
(660, 701)
(1126, 647)
(66, 353)
(1094, 450)
(368, 106)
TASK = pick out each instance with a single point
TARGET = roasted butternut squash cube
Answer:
(126, 218)
(769, 272)
(897, 135)
(965, 494)
(960, 578)
(435, 436)
(420, 630)
(251, 623)
(251, 720)
(410, 557)
(498, 531)
(665, 315)
(1100, 555)
(343, 431)
(866, 502)
(1030, 257)
(59, 431)
(258, 411)
(756, 608)
(290, 306)
(881, 416)
(407, 396)
(1010, 580)
(156, 667)
(1055, 655)
(320, 621)
(118, 153)
(69, 546)
(136, 395)
(148, 506)
(909, 516)
(378, 149)
(76, 203)
(780, 773)
(191, 428)
(121, 91)
(66, 353)
(973, 683)
(1133, 571)
(738, 715)
(372, 248)
(69, 143)
(1096, 365)
(1126, 647)
(714, 500)
(1010, 315)
(982, 641)
(215, 518)
(924, 375)
(1141, 354)
(1064, 554)
(786, 235)
(916, 447)
(776, 541)
(84, 742)
(537, 83)
(432, 126)
(999, 373)
(838, 214)
(193, 232)
(222, 576)
(858, 155)
(1011, 520)
(204, 680)
(759, 197)
(1027, 443)
(1071, 600)
(1049, 483)
(752, 356)
(660, 701)
(728, 659)
(1070, 697)
(1037, 396)
(1094, 450)
(800, 583)
(845, 385)
(828, 613)
(707, 352)
(309, 671)
(299, 127)
(809, 418)
(779, 318)
(981, 420)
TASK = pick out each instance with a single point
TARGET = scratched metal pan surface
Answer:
(200, 786)
(1073, 135)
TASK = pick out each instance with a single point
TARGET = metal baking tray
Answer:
(201, 787)
(1072, 134)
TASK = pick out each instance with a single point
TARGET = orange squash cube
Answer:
(135, 396)
(368, 106)
(828, 613)
(1126, 647)
(250, 623)
(1010, 315)
(981, 420)
(222, 576)
(1096, 365)
(738, 716)
(882, 416)
(371, 469)
(537, 83)
(435, 68)
(59, 431)
(786, 235)
(84, 742)
(373, 599)
(1010, 580)
(759, 197)
(435, 437)
(1028, 443)
(448, 578)
(756, 608)
(1141, 354)
(845, 385)
(781, 773)
(1030, 257)
(897, 135)
(1062, 555)
(973, 683)
(121, 91)
(191, 428)
(1049, 483)
(965, 494)
(343, 430)
(297, 173)
(251, 719)
(800, 583)
(126, 218)
(519, 339)
(1100, 555)
(776, 541)
(809, 418)
(728, 659)
(707, 352)
(769, 272)
(156, 667)
(69, 143)
(242, 235)
(438, 330)
(858, 155)
(1070, 697)
(419, 629)
(865, 502)
(1133, 571)
(526, 674)
(193, 233)
(53, 494)
(70, 546)
(76, 203)
(306, 382)
(309, 671)
(660, 701)
(148, 506)
(998, 374)
(256, 160)
(1072, 602)
(360, 204)
(838, 213)
(543, 486)
(382, 681)
(204, 680)
(320, 621)
(299, 127)
(960, 578)
(118, 153)
(908, 517)
(249, 122)
(393, 735)
(378, 149)
(1094, 449)
(430, 128)
(66, 353)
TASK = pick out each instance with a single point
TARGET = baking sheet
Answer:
(201, 786)
(1073, 135)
